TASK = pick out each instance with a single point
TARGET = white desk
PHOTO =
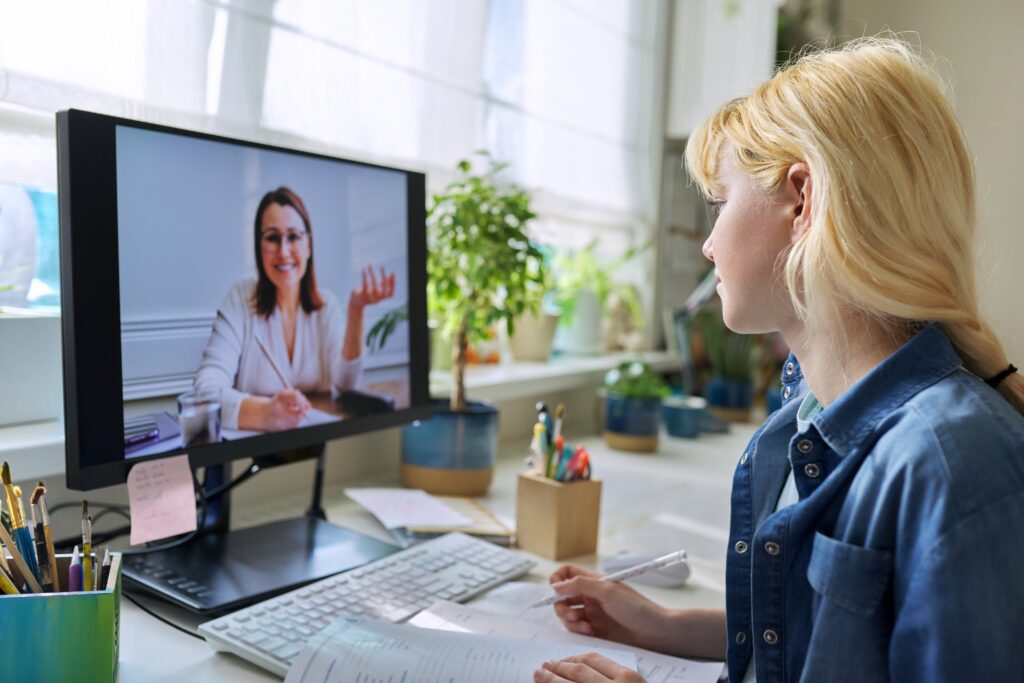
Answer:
(677, 498)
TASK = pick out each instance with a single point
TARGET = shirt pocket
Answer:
(850, 576)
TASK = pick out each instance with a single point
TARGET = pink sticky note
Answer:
(162, 499)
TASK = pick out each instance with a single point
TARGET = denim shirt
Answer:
(904, 558)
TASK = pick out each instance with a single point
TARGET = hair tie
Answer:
(994, 380)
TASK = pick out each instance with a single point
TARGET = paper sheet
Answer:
(312, 417)
(406, 507)
(162, 499)
(653, 666)
(513, 599)
(351, 652)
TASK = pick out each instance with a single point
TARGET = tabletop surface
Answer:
(675, 498)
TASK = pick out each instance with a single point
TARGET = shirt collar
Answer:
(925, 359)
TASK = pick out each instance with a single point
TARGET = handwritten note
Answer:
(162, 499)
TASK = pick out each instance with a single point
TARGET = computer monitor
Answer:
(228, 299)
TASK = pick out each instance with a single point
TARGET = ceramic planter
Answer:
(533, 337)
(451, 454)
(730, 398)
(631, 424)
(583, 334)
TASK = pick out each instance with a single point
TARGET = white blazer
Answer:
(234, 361)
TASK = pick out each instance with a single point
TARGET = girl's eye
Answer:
(716, 207)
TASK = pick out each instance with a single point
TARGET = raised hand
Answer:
(375, 287)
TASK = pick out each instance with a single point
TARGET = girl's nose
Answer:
(706, 250)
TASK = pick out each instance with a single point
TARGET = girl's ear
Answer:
(797, 191)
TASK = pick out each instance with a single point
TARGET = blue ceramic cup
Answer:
(682, 415)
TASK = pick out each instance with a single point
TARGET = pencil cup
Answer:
(62, 636)
(557, 520)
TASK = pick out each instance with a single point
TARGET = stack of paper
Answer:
(411, 515)
(353, 652)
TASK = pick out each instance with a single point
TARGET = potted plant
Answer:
(534, 333)
(583, 286)
(482, 269)
(633, 394)
(733, 358)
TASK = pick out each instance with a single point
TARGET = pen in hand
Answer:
(657, 563)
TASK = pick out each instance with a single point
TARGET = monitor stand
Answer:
(220, 570)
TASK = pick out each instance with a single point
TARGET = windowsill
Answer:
(36, 450)
(512, 380)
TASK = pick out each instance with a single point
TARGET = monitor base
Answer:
(219, 571)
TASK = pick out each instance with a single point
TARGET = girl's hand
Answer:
(374, 288)
(607, 609)
(588, 668)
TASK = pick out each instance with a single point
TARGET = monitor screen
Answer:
(264, 298)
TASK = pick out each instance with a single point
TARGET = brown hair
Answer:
(265, 298)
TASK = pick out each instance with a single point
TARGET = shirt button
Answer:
(790, 368)
(741, 638)
(805, 445)
(741, 547)
(743, 458)
(812, 470)
(786, 392)
(770, 636)
(772, 548)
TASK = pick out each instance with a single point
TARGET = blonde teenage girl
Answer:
(877, 528)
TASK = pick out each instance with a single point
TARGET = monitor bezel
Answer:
(91, 313)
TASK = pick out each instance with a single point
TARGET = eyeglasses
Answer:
(272, 239)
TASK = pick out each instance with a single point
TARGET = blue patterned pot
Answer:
(451, 454)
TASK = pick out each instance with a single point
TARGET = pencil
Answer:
(273, 363)
(7, 584)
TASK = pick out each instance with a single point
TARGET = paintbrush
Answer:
(86, 547)
(44, 541)
(19, 561)
(22, 536)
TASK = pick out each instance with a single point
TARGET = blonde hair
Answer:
(893, 209)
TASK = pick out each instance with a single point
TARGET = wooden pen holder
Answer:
(557, 520)
(62, 636)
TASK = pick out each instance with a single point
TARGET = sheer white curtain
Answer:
(568, 91)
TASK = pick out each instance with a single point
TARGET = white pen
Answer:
(657, 563)
(273, 364)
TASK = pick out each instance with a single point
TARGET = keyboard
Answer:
(454, 567)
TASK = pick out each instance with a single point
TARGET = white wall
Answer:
(982, 42)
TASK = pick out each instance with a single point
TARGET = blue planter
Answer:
(451, 453)
(683, 414)
(734, 394)
(634, 416)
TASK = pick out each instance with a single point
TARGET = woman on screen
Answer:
(280, 337)
(877, 526)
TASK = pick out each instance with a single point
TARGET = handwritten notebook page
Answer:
(653, 666)
(355, 652)
(162, 499)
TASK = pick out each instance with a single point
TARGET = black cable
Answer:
(158, 617)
